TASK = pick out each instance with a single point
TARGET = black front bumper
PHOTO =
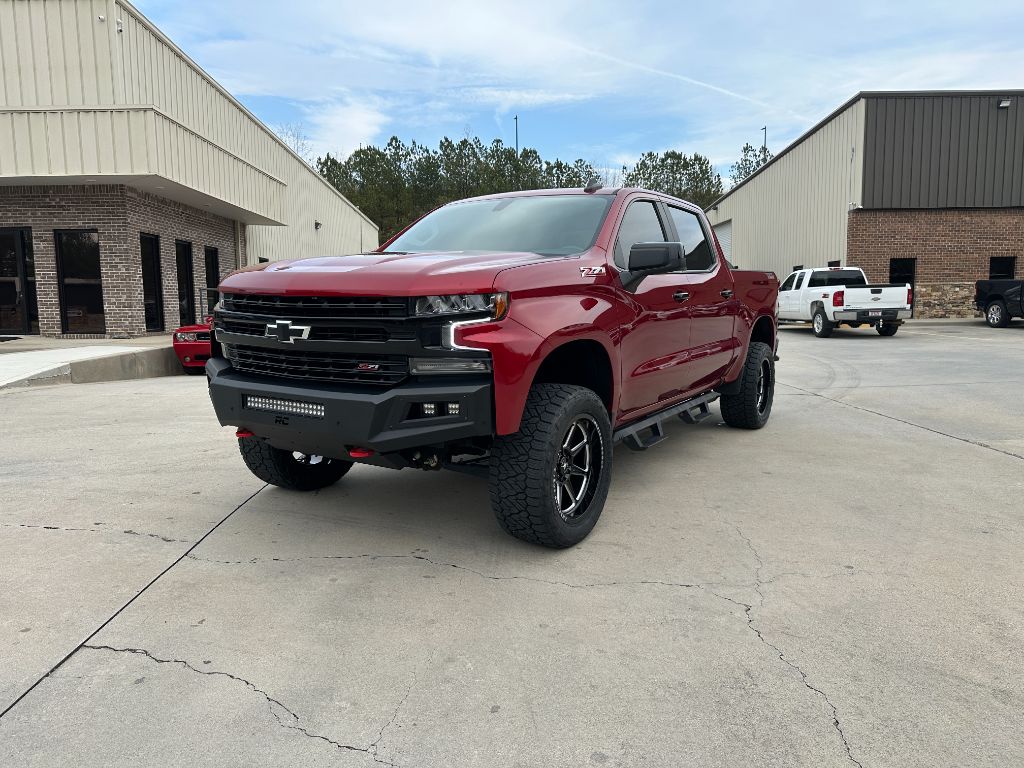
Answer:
(385, 420)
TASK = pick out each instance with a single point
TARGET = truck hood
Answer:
(374, 274)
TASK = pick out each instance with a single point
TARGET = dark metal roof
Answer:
(870, 95)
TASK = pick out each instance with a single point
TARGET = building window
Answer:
(902, 271)
(152, 286)
(79, 281)
(18, 310)
(186, 283)
(212, 259)
(1002, 267)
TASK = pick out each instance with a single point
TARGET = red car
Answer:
(192, 345)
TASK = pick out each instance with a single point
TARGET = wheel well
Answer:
(584, 363)
(763, 331)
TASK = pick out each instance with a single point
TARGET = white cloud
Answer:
(695, 78)
(341, 127)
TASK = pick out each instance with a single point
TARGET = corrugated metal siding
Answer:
(77, 96)
(724, 233)
(795, 211)
(943, 151)
(341, 233)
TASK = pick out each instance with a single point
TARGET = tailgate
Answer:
(876, 297)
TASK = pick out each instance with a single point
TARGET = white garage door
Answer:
(724, 233)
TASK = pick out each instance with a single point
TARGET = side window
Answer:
(788, 285)
(640, 225)
(699, 256)
(800, 281)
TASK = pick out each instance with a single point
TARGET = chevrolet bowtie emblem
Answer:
(283, 330)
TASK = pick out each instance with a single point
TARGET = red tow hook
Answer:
(361, 453)
(242, 432)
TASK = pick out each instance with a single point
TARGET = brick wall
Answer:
(119, 214)
(171, 221)
(952, 248)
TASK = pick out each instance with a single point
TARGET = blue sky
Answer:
(598, 80)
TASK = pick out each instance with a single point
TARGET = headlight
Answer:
(463, 304)
(184, 337)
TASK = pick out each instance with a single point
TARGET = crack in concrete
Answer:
(969, 441)
(374, 745)
(47, 527)
(748, 613)
(128, 531)
(456, 566)
(273, 704)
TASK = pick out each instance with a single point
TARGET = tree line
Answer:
(397, 183)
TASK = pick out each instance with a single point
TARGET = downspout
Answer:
(238, 244)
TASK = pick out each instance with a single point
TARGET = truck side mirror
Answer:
(652, 259)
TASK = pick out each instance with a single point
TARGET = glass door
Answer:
(152, 289)
(212, 278)
(904, 271)
(186, 283)
(18, 310)
(80, 281)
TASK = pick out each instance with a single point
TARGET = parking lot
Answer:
(841, 588)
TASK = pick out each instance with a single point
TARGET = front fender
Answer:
(520, 344)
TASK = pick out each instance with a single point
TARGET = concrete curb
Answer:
(147, 364)
(144, 364)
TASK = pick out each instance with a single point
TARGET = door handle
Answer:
(680, 296)
(727, 294)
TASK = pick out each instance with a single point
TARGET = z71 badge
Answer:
(591, 271)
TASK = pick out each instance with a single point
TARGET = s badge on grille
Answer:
(283, 330)
(368, 367)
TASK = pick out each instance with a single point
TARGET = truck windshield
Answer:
(831, 277)
(551, 225)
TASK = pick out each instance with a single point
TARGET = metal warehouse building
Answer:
(130, 181)
(919, 187)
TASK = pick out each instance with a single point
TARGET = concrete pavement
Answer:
(841, 588)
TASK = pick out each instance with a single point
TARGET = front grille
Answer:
(381, 371)
(322, 331)
(336, 307)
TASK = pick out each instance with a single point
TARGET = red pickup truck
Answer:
(514, 336)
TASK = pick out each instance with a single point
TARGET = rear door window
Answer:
(699, 255)
(641, 224)
(800, 281)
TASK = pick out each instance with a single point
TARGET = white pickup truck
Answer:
(831, 296)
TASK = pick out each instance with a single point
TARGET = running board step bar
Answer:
(691, 411)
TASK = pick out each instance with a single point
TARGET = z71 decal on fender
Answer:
(591, 271)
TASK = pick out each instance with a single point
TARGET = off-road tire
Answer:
(996, 315)
(751, 407)
(525, 466)
(822, 326)
(887, 329)
(283, 469)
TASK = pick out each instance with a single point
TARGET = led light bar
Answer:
(419, 366)
(292, 407)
